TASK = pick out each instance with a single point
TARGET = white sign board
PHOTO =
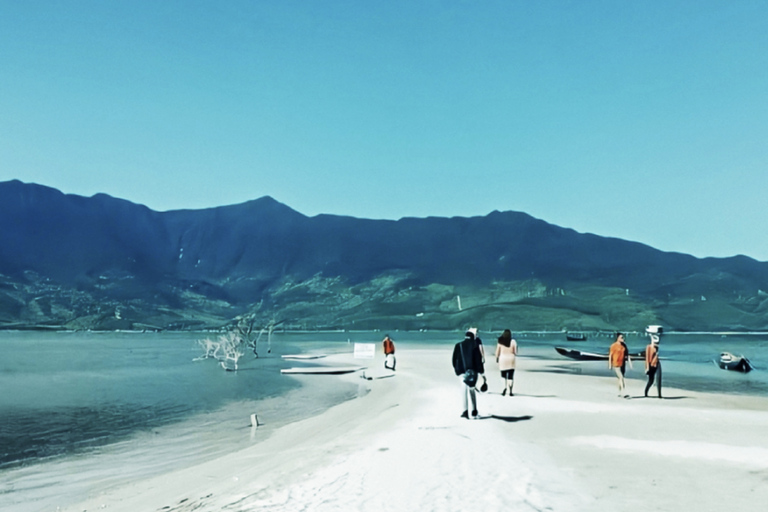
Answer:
(365, 350)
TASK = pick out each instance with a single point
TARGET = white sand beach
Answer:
(564, 442)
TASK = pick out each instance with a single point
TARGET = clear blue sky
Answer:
(643, 120)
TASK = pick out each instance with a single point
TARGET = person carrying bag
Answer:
(468, 364)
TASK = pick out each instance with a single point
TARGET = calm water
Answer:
(67, 392)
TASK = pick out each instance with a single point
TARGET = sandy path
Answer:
(564, 442)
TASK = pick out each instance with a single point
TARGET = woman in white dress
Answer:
(506, 355)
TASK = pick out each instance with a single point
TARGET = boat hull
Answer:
(580, 355)
(740, 364)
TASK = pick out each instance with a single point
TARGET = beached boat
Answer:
(734, 363)
(326, 370)
(575, 336)
(580, 355)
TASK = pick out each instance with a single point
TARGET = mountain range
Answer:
(73, 262)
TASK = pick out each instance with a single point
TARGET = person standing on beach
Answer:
(479, 342)
(506, 356)
(389, 353)
(468, 364)
(652, 364)
(618, 355)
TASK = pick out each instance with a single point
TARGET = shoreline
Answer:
(56, 482)
(563, 442)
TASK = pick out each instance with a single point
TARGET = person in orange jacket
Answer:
(618, 355)
(389, 353)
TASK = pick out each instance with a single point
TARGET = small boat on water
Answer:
(575, 336)
(734, 363)
(580, 355)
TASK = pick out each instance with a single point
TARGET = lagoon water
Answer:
(75, 404)
(78, 408)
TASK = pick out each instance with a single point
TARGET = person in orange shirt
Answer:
(618, 355)
(652, 364)
(389, 353)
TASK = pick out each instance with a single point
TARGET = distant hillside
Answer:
(105, 263)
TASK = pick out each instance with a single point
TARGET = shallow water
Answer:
(83, 411)
(67, 391)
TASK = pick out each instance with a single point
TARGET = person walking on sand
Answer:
(389, 353)
(652, 364)
(479, 342)
(506, 357)
(468, 364)
(618, 355)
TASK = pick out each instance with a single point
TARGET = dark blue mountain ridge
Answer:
(239, 253)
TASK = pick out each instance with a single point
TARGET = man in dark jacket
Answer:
(468, 363)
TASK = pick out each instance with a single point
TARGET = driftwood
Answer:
(230, 347)
(246, 329)
(227, 349)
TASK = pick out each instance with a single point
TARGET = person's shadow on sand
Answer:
(534, 396)
(508, 419)
(656, 398)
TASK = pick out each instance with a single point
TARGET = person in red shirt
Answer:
(618, 355)
(389, 353)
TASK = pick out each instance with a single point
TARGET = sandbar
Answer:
(564, 442)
